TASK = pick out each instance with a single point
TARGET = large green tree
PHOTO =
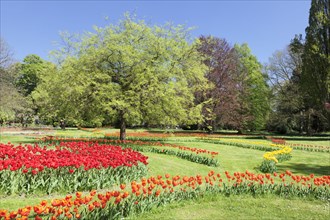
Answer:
(254, 94)
(315, 78)
(130, 73)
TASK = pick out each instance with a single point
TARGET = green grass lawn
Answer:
(241, 207)
(231, 159)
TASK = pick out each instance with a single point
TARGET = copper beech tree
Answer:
(238, 98)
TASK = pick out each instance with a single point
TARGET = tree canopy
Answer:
(135, 74)
(255, 91)
(129, 73)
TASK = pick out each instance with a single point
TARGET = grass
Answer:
(14, 202)
(231, 159)
(235, 159)
(241, 207)
(16, 139)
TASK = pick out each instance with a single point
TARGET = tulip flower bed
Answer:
(307, 147)
(272, 158)
(258, 145)
(138, 197)
(145, 135)
(196, 155)
(139, 135)
(71, 166)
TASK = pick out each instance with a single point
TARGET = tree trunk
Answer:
(122, 129)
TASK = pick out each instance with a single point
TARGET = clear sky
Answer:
(32, 27)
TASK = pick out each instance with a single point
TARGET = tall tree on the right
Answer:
(315, 77)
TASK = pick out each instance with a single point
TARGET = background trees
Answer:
(134, 74)
(284, 71)
(11, 101)
(29, 73)
(222, 104)
(254, 95)
(239, 98)
(300, 76)
(315, 78)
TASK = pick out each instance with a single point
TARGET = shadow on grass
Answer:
(307, 169)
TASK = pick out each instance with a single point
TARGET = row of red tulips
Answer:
(70, 166)
(138, 197)
(67, 154)
(195, 155)
(309, 147)
(52, 139)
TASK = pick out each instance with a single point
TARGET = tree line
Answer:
(135, 74)
(300, 77)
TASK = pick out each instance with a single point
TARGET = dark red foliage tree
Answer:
(223, 108)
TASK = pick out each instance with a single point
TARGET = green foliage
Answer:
(129, 73)
(61, 180)
(255, 91)
(302, 76)
(316, 67)
(29, 73)
(287, 103)
(12, 103)
(268, 166)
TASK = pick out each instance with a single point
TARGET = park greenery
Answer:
(169, 94)
(134, 74)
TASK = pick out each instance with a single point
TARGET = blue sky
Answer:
(32, 27)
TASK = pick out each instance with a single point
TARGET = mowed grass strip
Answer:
(241, 207)
(15, 202)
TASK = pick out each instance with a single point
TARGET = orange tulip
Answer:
(125, 195)
(158, 192)
(90, 207)
(3, 213)
(68, 215)
(93, 192)
(117, 200)
(56, 202)
(100, 196)
(12, 214)
(78, 194)
(122, 186)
